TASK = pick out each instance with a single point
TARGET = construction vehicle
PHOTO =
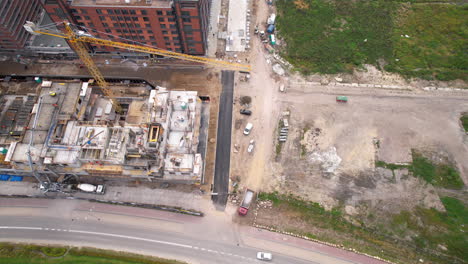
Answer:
(77, 38)
(248, 198)
(70, 188)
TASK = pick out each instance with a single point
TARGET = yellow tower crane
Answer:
(77, 40)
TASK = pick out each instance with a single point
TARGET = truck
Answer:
(91, 188)
(245, 204)
(270, 29)
(271, 19)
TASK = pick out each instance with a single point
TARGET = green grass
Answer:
(25, 253)
(427, 227)
(330, 38)
(430, 228)
(464, 121)
(436, 47)
(390, 166)
(442, 175)
(337, 36)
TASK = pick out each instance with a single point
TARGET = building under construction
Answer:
(70, 127)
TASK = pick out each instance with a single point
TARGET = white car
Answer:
(248, 128)
(251, 146)
(264, 256)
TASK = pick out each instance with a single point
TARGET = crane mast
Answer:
(83, 53)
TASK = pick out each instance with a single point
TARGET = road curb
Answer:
(272, 229)
(172, 209)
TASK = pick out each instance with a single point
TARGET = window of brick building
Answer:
(120, 18)
(152, 38)
(168, 13)
(145, 19)
(172, 26)
(78, 17)
(135, 18)
(83, 11)
(102, 18)
(150, 31)
(161, 19)
(108, 30)
(122, 25)
(90, 24)
(110, 11)
(143, 12)
(154, 43)
(139, 31)
(163, 25)
(186, 19)
(116, 24)
(105, 25)
(87, 17)
(137, 25)
(74, 11)
(125, 12)
(171, 19)
(174, 32)
(132, 12)
(159, 12)
(117, 11)
(164, 32)
(185, 13)
(166, 38)
(99, 11)
(113, 18)
(147, 25)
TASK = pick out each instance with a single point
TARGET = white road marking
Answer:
(120, 236)
(21, 227)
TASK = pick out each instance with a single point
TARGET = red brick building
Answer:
(175, 25)
(13, 14)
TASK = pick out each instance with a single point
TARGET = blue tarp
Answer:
(4, 177)
(16, 178)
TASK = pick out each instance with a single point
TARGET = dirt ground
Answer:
(331, 150)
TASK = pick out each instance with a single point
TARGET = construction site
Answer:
(58, 127)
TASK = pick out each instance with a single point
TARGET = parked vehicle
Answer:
(271, 19)
(264, 256)
(245, 112)
(272, 39)
(285, 122)
(342, 99)
(251, 146)
(281, 88)
(248, 198)
(90, 188)
(271, 28)
(248, 128)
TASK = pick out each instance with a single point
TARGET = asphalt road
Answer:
(192, 239)
(164, 234)
(223, 144)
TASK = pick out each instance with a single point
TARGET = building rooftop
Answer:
(124, 3)
(70, 127)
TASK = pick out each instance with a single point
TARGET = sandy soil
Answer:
(251, 168)
(332, 148)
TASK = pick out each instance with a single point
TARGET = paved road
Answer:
(223, 144)
(151, 232)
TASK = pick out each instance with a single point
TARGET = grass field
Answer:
(464, 121)
(34, 254)
(427, 228)
(337, 36)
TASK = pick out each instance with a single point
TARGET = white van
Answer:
(248, 128)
